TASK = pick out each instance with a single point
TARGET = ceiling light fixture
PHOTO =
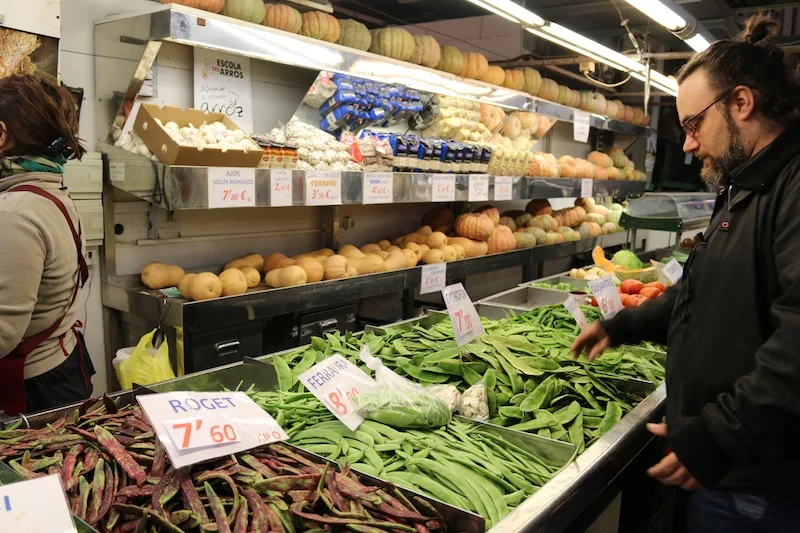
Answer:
(677, 20)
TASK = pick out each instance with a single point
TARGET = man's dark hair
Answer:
(751, 59)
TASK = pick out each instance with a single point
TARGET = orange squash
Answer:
(214, 6)
(491, 212)
(539, 207)
(426, 51)
(475, 226)
(494, 75)
(354, 35)
(396, 43)
(451, 60)
(532, 80)
(514, 79)
(319, 25)
(475, 65)
(283, 17)
(502, 240)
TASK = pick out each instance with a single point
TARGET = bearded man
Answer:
(732, 323)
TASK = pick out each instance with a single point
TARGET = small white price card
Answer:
(197, 426)
(444, 188)
(587, 186)
(35, 506)
(323, 187)
(466, 322)
(673, 271)
(434, 278)
(378, 187)
(116, 170)
(580, 123)
(503, 186)
(575, 310)
(607, 296)
(336, 382)
(231, 187)
(478, 188)
(280, 187)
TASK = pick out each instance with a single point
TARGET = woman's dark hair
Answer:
(751, 59)
(40, 117)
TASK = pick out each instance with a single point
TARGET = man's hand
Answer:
(594, 340)
(669, 470)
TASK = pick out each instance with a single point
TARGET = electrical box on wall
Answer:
(41, 17)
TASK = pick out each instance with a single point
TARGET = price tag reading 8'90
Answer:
(607, 296)
(336, 382)
(466, 322)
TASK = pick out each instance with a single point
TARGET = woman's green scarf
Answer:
(10, 166)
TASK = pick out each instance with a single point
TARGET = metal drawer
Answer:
(223, 347)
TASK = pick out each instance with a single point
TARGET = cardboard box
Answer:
(169, 152)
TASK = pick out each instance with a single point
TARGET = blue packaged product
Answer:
(340, 98)
(413, 153)
(343, 82)
(338, 118)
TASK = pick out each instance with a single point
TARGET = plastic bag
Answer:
(144, 365)
(474, 403)
(449, 394)
(399, 402)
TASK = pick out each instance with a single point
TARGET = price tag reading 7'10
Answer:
(607, 296)
(336, 382)
(466, 322)
(197, 426)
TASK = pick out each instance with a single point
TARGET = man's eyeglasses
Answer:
(692, 124)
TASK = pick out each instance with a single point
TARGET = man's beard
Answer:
(716, 170)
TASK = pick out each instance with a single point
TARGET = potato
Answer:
(272, 260)
(291, 276)
(252, 276)
(205, 286)
(313, 268)
(159, 275)
(183, 285)
(233, 282)
(433, 256)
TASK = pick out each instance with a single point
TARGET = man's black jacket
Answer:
(733, 329)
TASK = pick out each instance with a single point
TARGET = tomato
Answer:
(651, 293)
(624, 298)
(635, 300)
(631, 286)
(657, 284)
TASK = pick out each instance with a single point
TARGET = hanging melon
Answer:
(514, 80)
(426, 51)
(452, 60)
(319, 25)
(532, 81)
(248, 10)
(214, 6)
(475, 65)
(354, 35)
(283, 17)
(494, 75)
(396, 43)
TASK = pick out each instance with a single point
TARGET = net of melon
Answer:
(645, 275)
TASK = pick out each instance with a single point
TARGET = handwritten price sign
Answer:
(378, 187)
(607, 296)
(231, 187)
(35, 506)
(575, 310)
(280, 181)
(434, 278)
(478, 188)
(336, 382)
(466, 322)
(503, 186)
(673, 271)
(444, 188)
(323, 187)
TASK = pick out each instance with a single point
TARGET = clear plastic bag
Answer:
(399, 402)
(145, 364)
(474, 403)
(449, 394)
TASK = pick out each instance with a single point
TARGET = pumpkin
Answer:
(539, 207)
(613, 108)
(283, 17)
(475, 65)
(348, 250)
(319, 25)
(602, 210)
(600, 159)
(549, 90)
(481, 248)
(609, 228)
(571, 217)
(475, 226)
(247, 10)
(396, 43)
(532, 81)
(491, 212)
(233, 282)
(451, 60)
(596, 218)
(539, 233)
(522, 220)
(568, 233)
(205, 286)
(426, 51)
(159, 275)
(354, 34)
(564, 95)
(551, 237)
(214, 6)
(576, 98)
(291, 276)
(508, 222)
(525, 240)
(439, 219)
(588, 230)
(597, 104)
(502, 240)
(545, 222)
(494, 75)
(512, 128)
(588, 204)
(514, 79)
(614, 173)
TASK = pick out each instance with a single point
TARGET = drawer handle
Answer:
(328, 323)
(227, 348)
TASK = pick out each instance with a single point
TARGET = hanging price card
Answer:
(575, 310)
(280, 191)
(586, 188)
(673, 271)
(580, 123)
(444, 188)
(607, 296)
(35, 506)
(503, 186)
(478, 188)
(196, 426)
(336, 382)
(433, 278)
(231, 187)
(378, 187)
(323, 187)
(466, 322)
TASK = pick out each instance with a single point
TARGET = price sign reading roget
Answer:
(466, 322)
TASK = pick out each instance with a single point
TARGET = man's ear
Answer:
(5, 138)
(744, 102)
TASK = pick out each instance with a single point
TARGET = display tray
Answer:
(518, 300)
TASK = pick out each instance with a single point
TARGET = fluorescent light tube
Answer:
(660, 13)
(511, 10)
(698, 43)
(575, 41)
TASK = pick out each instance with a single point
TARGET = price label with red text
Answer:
(466, 322)
(35, 506)
(323, 187)
(575, 310)
(444, 188)
(336, 382)
(231, 187)
(503, 188)
(434, 278)
(280, 183)
(586, 187)
(478, 188)
(607, 296)
(197, 426)
(378, 187)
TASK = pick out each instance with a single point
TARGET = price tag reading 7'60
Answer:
(466, 322)
(199, 432)
(336, 382)
(607, 296)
